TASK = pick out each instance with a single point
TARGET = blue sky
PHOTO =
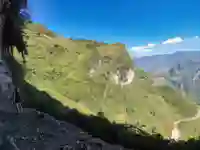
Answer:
(133, 22)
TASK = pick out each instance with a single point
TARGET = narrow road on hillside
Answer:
(176, 134)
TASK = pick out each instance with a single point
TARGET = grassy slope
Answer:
(62, 71)
(190, 129)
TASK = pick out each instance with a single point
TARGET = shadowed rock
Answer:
(28, 130)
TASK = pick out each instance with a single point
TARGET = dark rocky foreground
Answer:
(32, 130)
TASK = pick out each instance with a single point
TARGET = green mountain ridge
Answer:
(91, 76)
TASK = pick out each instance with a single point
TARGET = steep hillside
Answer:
(96, 78)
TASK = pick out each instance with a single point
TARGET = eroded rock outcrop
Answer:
(123, 77)
(120, 77)
(113, 62)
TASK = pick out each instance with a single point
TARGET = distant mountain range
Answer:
(180, 69)
(166, 61)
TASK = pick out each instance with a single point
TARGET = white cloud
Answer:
(143, 48)
(169, 46)
(151, 45)
(173, 40)
(139, 51)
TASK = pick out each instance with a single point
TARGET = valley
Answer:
(97, 78)
(181, 74)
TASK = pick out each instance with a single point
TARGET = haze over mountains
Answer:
(179, 68)
(168, 46)
(163, 62)
(167, 53)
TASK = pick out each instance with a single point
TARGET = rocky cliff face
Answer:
(35, 130)
(124, 76)
(111, 61)
(6, 89)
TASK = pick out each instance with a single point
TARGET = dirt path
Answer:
(176, 133)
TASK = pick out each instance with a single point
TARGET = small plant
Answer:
(101, 114)
(152, 113)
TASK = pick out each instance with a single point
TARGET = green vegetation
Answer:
(61, 67)
(190, 129)
(175, 100)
